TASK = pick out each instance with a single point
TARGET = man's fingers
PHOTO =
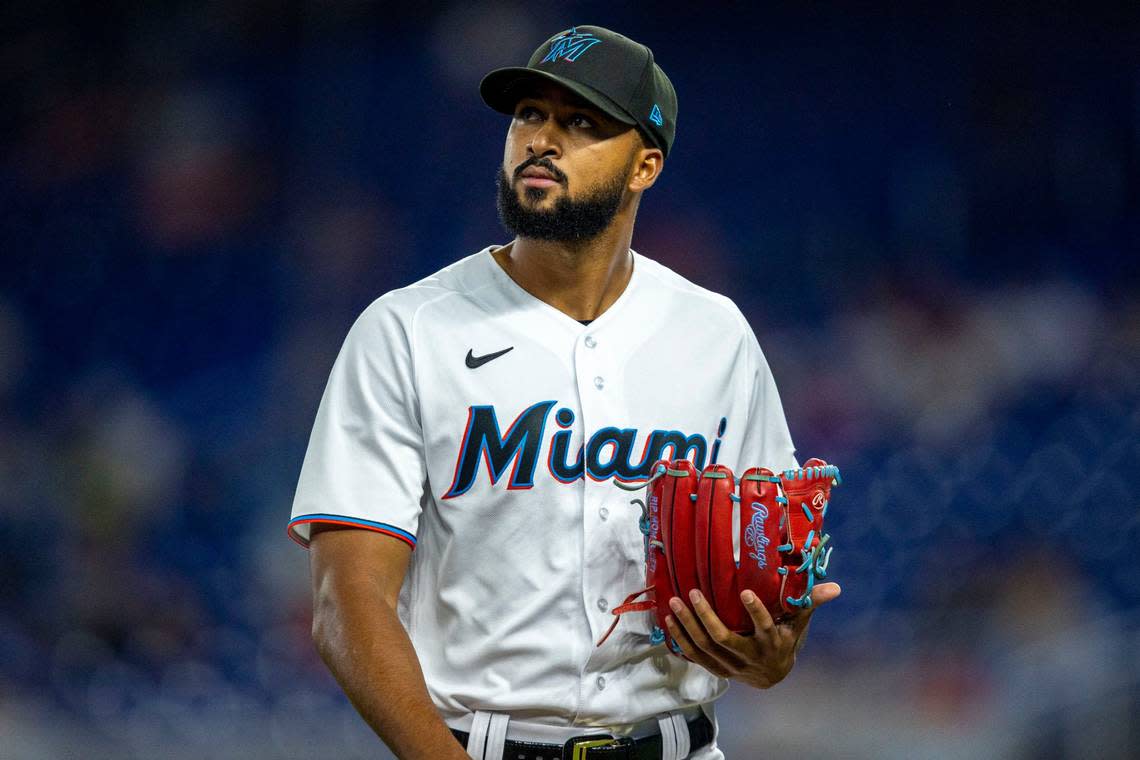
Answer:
(700, 636)
(716, 629)
(824, 593)
(679, 635)
(761, 618)
(821, 594)
(694, 653)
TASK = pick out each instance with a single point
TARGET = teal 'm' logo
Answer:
(570, 46)
(656, 117)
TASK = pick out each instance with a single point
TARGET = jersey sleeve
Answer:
(767, 440)
(364, 466)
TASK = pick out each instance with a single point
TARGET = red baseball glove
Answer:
(710, 531)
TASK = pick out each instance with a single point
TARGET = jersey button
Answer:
(603, 513)
(603, 605)
(590, 342)
(599, 382)
(601, 682)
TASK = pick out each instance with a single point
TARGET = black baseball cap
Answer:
(611, 72)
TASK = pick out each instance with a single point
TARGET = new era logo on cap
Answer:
(656, 117)
(570, 45)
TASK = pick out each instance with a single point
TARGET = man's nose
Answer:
(546, 141)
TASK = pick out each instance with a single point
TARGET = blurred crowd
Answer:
(932, 222)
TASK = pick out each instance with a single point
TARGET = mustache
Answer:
(543, 163)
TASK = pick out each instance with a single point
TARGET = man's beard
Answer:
(568, 220)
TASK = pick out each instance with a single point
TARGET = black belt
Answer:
(601, 746)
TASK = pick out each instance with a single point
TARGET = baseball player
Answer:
(458, 495)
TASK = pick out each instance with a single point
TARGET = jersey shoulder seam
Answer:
(434, 282)
(413, 325)
(448, 292)
(441, 296)
(677, 282)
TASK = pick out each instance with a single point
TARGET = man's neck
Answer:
(580, 281)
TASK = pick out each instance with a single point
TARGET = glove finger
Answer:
(760, 535)
(806, 492)
(678, 526)
(718, 558)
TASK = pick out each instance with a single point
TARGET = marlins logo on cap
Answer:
(570, 45)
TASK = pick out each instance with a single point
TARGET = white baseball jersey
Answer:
(485, 428)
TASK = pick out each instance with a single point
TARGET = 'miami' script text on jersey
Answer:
(607, 454)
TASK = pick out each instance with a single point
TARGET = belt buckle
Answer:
(578, 747)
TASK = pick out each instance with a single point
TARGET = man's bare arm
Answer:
(357, 576)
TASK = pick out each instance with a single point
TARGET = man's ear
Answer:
(647, 167)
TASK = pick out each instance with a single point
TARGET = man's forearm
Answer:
(361, 640)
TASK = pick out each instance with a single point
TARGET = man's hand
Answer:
(761, 659)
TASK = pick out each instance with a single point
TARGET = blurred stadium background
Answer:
(931, 220)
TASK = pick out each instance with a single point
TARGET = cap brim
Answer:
(503, 88)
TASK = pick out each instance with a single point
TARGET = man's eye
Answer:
(581, 121)
(527, 113)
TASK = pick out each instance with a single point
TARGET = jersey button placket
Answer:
(597, 411)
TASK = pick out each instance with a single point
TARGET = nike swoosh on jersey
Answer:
(474, 362)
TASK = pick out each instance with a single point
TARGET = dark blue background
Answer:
(930, 218)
